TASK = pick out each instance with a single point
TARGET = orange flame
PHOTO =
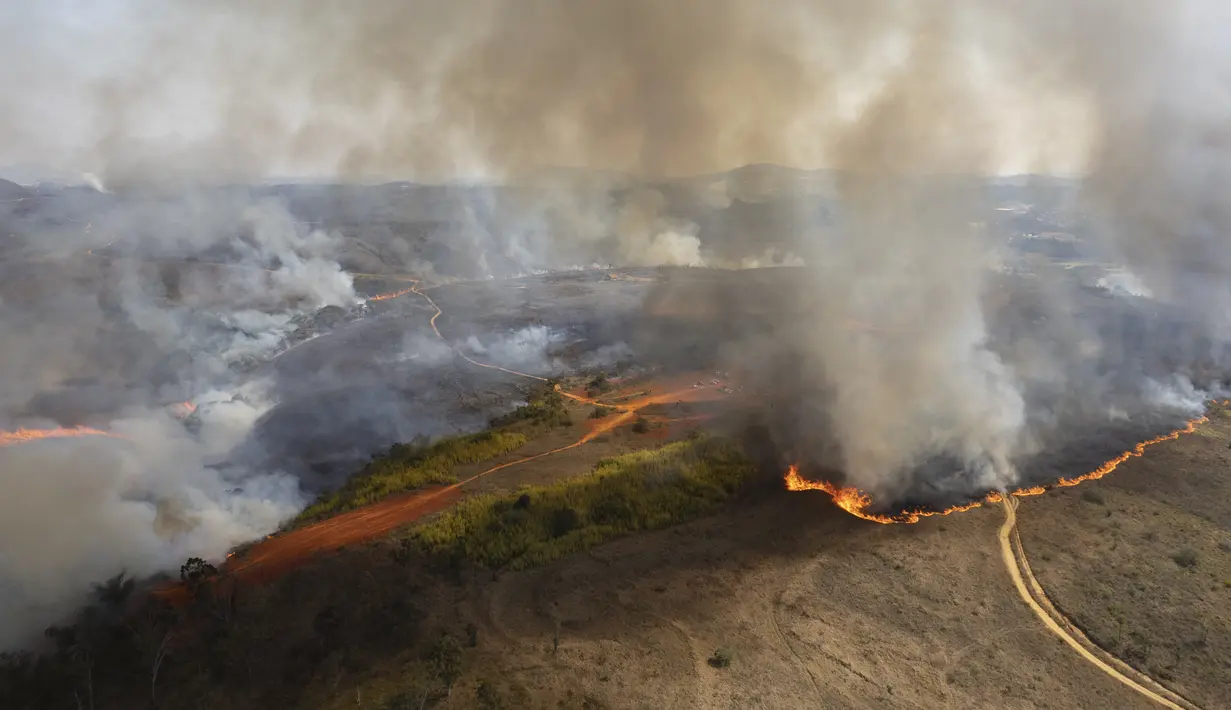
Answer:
(391, 295)
(1137, 450)
(857, 502)
(24, 436)
(183, 410)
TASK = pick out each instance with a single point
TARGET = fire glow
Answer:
(25, 436)
(858, 502)
(392, 295)
(183, 410)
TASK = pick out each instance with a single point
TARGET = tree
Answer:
(598, 385)
(159, 656)
(445, 661)
(113, 593)
(196, 571)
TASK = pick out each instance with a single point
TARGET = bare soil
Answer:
(817, 609)
(1141, 560)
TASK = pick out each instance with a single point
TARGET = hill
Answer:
(12, 191)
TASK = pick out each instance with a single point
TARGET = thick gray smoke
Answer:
(577, 105)
(76, 512)
(114, 339)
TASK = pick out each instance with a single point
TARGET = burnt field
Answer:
(669, 321)
(356, 383)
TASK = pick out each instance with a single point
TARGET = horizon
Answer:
(33, 176)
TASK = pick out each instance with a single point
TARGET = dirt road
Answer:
(1031, 592)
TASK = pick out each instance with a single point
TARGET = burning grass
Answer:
(645, 490)
(409, 466)
(860, 504)
(25, 436)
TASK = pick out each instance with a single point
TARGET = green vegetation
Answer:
(420, 463)
(445, 661)
(384, 645)
(645, 490)
(721, 658)
(598, 385)
(601, 411)
(409, 466)
(544, 408)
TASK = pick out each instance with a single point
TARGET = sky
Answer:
(388, 88)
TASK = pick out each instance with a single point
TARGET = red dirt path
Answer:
(279, 554)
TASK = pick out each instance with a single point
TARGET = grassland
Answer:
(413, 465)
(544, 408)
(1141, 560)
(645, 490)
(409, 466)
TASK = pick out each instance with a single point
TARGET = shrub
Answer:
(564, 521)
(721, 658)
(445, 660)
(600, 411)
(487, 697)
(598, 385)
(645, 490)
(544, 408)
(641, 425)
(1186, 558)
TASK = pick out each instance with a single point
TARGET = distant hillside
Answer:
(13, 191)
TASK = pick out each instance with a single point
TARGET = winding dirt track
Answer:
(1031, 592)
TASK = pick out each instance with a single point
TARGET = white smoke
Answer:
(527, 349)
(426, 350)
(93, 181)
(1177, 394)
(771, 257)
(76, 511)
(73, 512)
(1124, 282)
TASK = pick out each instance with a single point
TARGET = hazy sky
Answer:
(411, 88)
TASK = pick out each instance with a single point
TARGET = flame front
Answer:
(392, 295)
(857, 502)
(183, 410)
(24, 436)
